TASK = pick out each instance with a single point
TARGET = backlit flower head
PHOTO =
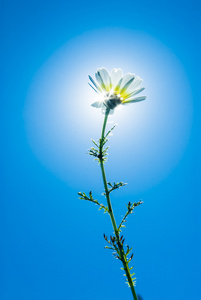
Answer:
(115, 89)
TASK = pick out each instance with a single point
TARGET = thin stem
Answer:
(110, 210)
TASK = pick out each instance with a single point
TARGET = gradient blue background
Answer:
(52, 245)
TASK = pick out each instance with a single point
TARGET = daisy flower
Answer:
(115, 89)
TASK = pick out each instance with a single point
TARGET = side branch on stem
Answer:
(83, 196)
(130, 208)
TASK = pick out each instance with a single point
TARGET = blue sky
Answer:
(53, 246)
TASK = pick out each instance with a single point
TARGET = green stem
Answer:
(122, 253)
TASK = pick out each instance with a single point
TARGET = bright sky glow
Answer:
(152, 135)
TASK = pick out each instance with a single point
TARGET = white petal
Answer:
(126, 83)
(134, 84)
(93, 88)
(123, 82)
(117, 88)
(116, 75)
(97, 104)
(94, 83)
(135, 92)
(104, 79)
(134, 99)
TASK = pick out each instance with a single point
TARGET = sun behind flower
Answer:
(115, 89)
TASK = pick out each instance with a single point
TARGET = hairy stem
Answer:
(110, 210)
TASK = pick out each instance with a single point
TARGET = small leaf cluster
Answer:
(117, 245)
(128, 251)
(98, 150)
(132, 277)
(83, 196)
